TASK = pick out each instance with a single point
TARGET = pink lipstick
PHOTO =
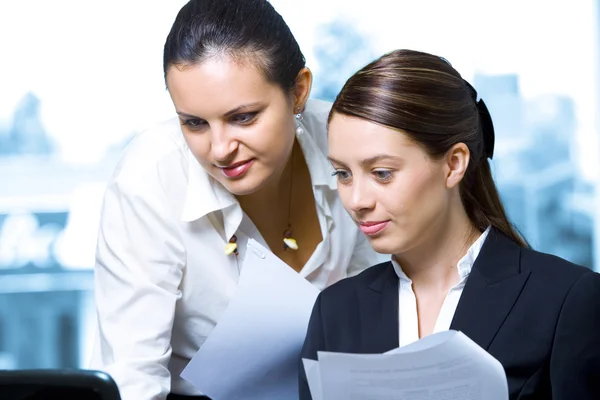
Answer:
(237, 170)
(372, 228)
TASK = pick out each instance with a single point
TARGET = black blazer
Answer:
(538, 314)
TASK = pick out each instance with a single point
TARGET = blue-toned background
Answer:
(79, 79)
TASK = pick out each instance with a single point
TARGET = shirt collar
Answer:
(465, 264)
(206, 195)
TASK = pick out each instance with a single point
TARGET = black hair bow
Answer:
(487, 127)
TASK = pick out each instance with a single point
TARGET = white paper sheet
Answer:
(313, 377)
(444, 366)
(253, 352)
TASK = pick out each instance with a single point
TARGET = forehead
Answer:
(351, 137)
(217, 85)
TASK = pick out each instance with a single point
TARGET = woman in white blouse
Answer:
(410, 143)
(246, 158)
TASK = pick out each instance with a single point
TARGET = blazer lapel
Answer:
(379, 313)
(491, 290)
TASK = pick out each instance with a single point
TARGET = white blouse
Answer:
(162, 278)
(408, 329)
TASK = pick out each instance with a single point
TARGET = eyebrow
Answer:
(227, 114)
(182, 114)
(370, 160)
(241, 108)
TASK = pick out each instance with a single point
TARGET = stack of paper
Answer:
(444, 366)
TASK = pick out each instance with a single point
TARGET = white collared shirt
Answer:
(162, 277)
(408, 319)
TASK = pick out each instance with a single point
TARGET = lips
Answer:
(236, 170)
(372, 227)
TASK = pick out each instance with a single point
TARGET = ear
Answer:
(302, 88)
(457, 161)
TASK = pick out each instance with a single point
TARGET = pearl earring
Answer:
(299, 129)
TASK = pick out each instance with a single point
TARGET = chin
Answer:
(243, 187)
(385, 245)
(239, 188)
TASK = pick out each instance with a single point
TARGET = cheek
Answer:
(274, 133)
(199, 146)
(271, 138)
(417, 196)
(344, 195)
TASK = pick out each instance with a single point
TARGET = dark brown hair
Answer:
(243, 29)
(423, 96)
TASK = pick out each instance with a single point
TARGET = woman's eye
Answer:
(382, 175)
(244, 118)
(343, 176)
(194, 123)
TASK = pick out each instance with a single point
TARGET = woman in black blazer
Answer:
(410, 144)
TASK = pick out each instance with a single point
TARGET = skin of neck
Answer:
(432, 265)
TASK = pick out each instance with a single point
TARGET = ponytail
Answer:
(483, 205)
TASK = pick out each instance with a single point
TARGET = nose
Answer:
(360, 196)
(222, 144)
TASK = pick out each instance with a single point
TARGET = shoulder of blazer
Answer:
(501, 258)
(551, 268)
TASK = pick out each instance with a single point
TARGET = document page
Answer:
(254, 351)
(444, 366)
(313, 377)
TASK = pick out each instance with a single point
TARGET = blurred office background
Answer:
(79, 79)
